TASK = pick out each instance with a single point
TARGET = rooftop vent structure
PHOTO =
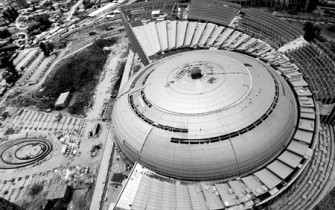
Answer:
(196, 73)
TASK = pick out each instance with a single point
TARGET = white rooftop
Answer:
(233, 117)
(62, 98)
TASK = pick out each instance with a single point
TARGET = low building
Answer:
(59, 192)
(62, 100)
(4, 204)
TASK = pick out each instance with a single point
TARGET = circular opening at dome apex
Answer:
(196, 73)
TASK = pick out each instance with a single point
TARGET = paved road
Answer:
(127, 69)
(103, 171)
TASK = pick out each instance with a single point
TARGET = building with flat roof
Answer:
(4, 204)
(62, 100)
(59, 192)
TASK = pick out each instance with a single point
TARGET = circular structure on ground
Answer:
(205, 115)
(23, 152)
(29, 151)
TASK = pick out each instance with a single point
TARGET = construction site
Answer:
(55, 120)
(166, 104)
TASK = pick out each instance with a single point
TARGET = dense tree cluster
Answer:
(311, 31)
(35, 189)
(10, 74)
(41, 23)
(87, 4)
(79, 75)
(46, 47)
(10, 14)
(4, 33)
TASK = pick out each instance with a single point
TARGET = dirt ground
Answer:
(56, 160)
(328, 30)
(67, 169)
(119, 165)
(107, 79)
(80, 199)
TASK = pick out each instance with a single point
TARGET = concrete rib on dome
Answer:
(235, 118)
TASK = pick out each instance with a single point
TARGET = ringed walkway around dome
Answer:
(168, 35)
(317, 180)
(218, 12)
(269, 28)
(318, 68)
(316, 62)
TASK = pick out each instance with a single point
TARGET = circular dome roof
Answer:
(203, 115)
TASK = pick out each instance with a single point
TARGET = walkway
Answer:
(104, 88)
(103, 174)
(127, 69)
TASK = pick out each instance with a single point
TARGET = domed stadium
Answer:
(205, 115)
(225, 112)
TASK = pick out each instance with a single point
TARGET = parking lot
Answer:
(27, 120)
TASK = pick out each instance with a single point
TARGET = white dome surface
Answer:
(205, 114)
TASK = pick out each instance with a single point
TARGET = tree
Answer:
(5, 75)
(4, 34)
(311, 31)
(87, 4)
(15, 12)
(42, 47)
(7, 63)
(10, 74)
(6, 16)
(10, 14)
(9, 77)
(41, 23)
(43, 20)
(32, 27)
(35, 189)
(312, 6)
(46, 47)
